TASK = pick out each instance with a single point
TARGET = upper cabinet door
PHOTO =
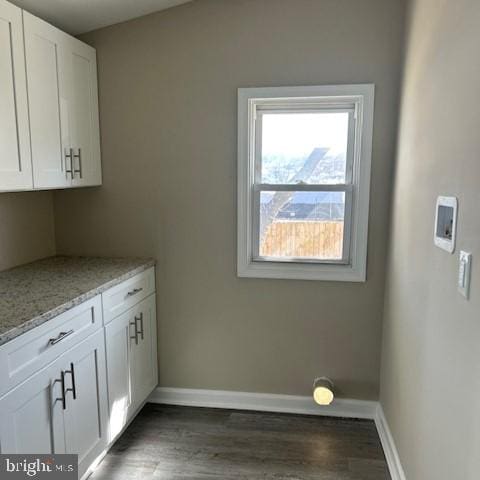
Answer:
(15, 162)
(63, 102)
(81, 65)
(48, 104)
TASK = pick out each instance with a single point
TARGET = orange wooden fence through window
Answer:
(314, 239)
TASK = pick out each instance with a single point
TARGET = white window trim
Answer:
(248, 98)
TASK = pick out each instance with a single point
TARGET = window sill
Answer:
(297, 271)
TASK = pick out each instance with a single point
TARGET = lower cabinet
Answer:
(31, 417)
(79, 397)
(86, 413)
(131, 341)
(62, 408)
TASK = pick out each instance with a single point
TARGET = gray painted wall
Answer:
(168, 86)
(27, 227)
(430, 383)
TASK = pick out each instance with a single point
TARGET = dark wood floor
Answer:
(172, 443)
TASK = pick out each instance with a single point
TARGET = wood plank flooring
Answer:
(173, 443)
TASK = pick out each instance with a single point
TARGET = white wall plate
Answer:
(446, 223)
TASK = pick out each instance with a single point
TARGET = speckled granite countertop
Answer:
(35, 293)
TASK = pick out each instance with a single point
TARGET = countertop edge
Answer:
(15, 332)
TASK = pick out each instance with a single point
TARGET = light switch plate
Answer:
(464, 270)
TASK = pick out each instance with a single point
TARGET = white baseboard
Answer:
(264, 402)
(388, 444)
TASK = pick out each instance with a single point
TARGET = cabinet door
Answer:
(144, 353)
(48, 103)
(81, 65)
(31, 415)
(118, 341)
(15, 161)
(131, 362)
(86, 400)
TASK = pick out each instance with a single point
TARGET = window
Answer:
(304, 157)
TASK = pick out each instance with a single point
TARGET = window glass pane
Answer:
(304, 148)
(308, 225)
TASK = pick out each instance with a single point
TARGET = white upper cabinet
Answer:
(15, 161)
(82, 107)
(47, 103)
(63, 103)
(49, 127)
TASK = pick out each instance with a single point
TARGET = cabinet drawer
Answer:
(31, 351)
(124, 296)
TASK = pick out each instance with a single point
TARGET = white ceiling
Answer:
(80, 16)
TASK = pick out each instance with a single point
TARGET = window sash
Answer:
(295, 108)
(347, 228)
(348, 187)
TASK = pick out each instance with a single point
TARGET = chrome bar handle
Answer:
(140, 319)
(74, 387)
(79, 156)
(69, 156)
(134, 337)
(134, 292)
(60, 337)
